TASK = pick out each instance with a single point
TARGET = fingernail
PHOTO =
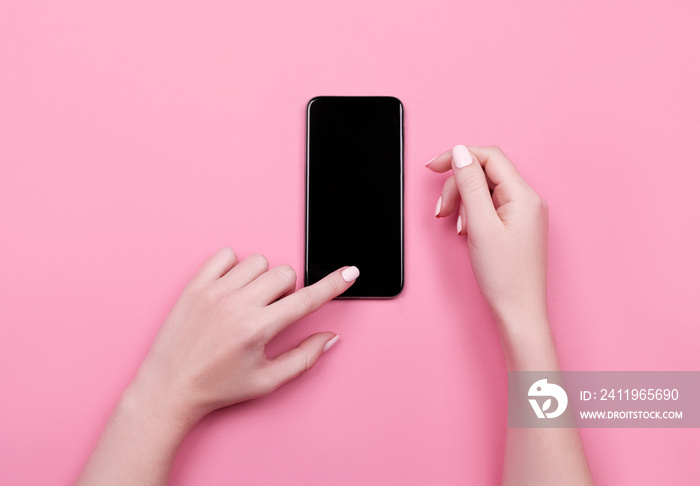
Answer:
(459, 224)
(438, 207)
(431, 161)
(461, 156)
(350, 274)
(331, 343)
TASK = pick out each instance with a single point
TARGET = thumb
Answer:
(478, 207)
(290, 364)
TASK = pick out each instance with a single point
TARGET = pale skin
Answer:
(209, 352)
(505, 222)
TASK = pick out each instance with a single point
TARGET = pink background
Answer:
(136, 138)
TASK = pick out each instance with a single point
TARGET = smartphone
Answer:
(354, 192)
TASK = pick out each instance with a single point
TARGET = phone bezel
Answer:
(401, 195)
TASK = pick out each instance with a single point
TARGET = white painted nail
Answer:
(461, 156)
(331, 343)
(350, 274)
(459, 224)
(438, 207)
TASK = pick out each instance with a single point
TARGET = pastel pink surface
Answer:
(137, 138)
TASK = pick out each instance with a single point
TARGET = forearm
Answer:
(539, 456)
(139, 443)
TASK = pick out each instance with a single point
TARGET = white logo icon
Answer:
(541, 388)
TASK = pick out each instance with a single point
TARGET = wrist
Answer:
(163, 410)
(517, 314)
(527, 340)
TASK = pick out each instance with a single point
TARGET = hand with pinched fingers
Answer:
(505, 222)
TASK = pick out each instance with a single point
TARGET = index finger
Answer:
(498, 168)
(303, 302)
(441, 163)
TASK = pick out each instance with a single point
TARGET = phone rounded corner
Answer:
(311, 102)
(398, 292)
(398, 101)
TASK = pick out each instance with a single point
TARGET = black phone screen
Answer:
(354, 191)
